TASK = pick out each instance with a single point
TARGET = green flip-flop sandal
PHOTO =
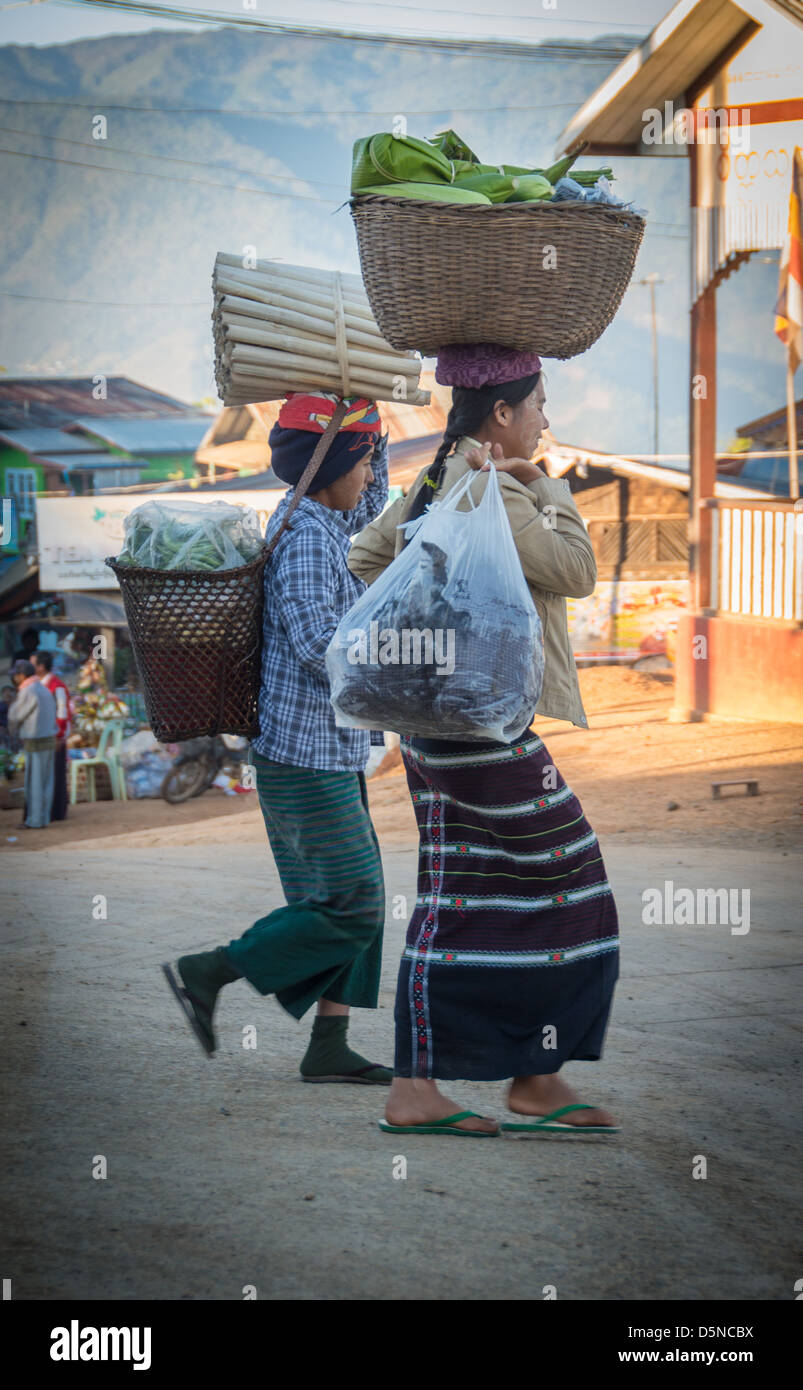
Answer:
(445, 1126)
(548, 1124)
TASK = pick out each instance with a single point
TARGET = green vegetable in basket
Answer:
(495, 186)
(190, 536)
(531, 188)
(516, 169)
(462, 167)
(387, 159)
(446, 169)
(588, 177)
(450, 144)
(431, 192)
(560, 169)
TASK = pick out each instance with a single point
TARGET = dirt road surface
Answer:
(231, 1172)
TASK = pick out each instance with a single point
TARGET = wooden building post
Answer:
(702, 443)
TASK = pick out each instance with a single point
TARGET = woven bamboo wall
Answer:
(639, 529)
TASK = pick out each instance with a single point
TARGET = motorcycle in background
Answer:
(200, 761)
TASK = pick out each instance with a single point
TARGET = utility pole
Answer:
(653, 280)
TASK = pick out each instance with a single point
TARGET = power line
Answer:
(193, 163)
(112, 303)
(168, 304)
(149, 174)
(745, 454)
(273, 111)
(482, 14)
(173, 159)
(613, 24)
(170, 178)
(208, 183)
(466, 47)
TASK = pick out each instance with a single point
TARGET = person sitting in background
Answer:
(33, 717)
(42, 662)
(29, 641)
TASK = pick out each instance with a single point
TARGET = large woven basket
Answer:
(439, 273)
(197, 639)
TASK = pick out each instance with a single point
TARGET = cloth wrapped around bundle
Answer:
(447, 642)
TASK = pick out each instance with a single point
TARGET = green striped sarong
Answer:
(327, 941)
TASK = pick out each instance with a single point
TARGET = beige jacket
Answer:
(555, 552)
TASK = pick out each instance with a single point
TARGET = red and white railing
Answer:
(757, 559)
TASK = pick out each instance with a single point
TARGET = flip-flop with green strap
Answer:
(445, 1126)
(547, 1124)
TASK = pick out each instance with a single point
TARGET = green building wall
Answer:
(15, 458)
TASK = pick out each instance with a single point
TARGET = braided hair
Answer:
(470, 407)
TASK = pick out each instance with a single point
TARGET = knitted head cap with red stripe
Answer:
(303, 418)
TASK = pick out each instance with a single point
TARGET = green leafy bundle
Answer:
(190, 536)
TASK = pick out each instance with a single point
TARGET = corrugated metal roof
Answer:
(402, 421)
(240, 453)
(770, 474)
(180, 435)
(407, 422)
(242, 482)
(686, 42)
(41, 441)
(239, 437)
(561, 458)
(93, 608)
(55, 401)
(83, 462)
(772, 430)
(406, 459)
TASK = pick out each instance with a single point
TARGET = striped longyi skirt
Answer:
(512, 949)
(327, 940)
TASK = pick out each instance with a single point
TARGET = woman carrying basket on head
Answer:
(512, 949)
(325, 945)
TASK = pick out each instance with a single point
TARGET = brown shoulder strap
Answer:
(321, 450)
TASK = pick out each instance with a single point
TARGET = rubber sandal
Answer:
(190, 1008)
(356, 1078)
(446, 1126)
(547, 1124)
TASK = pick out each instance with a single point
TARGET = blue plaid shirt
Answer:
(308, 588)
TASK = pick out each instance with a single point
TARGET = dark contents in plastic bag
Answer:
(440, 664)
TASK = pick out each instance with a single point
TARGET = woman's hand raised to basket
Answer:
(520, 469)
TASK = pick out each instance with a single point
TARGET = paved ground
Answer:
(231, 1173)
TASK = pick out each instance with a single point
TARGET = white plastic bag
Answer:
(190, 536)
(447, 643)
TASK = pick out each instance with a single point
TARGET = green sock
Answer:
(205, 974)
(329, 1054)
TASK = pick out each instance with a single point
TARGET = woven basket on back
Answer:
(437, 273)
(196, 637)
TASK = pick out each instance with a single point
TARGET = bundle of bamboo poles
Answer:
(280, 328)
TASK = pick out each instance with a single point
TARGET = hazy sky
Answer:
(603, 399)
(59, 21)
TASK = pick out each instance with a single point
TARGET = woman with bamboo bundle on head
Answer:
(325, 945)
(512, 949)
